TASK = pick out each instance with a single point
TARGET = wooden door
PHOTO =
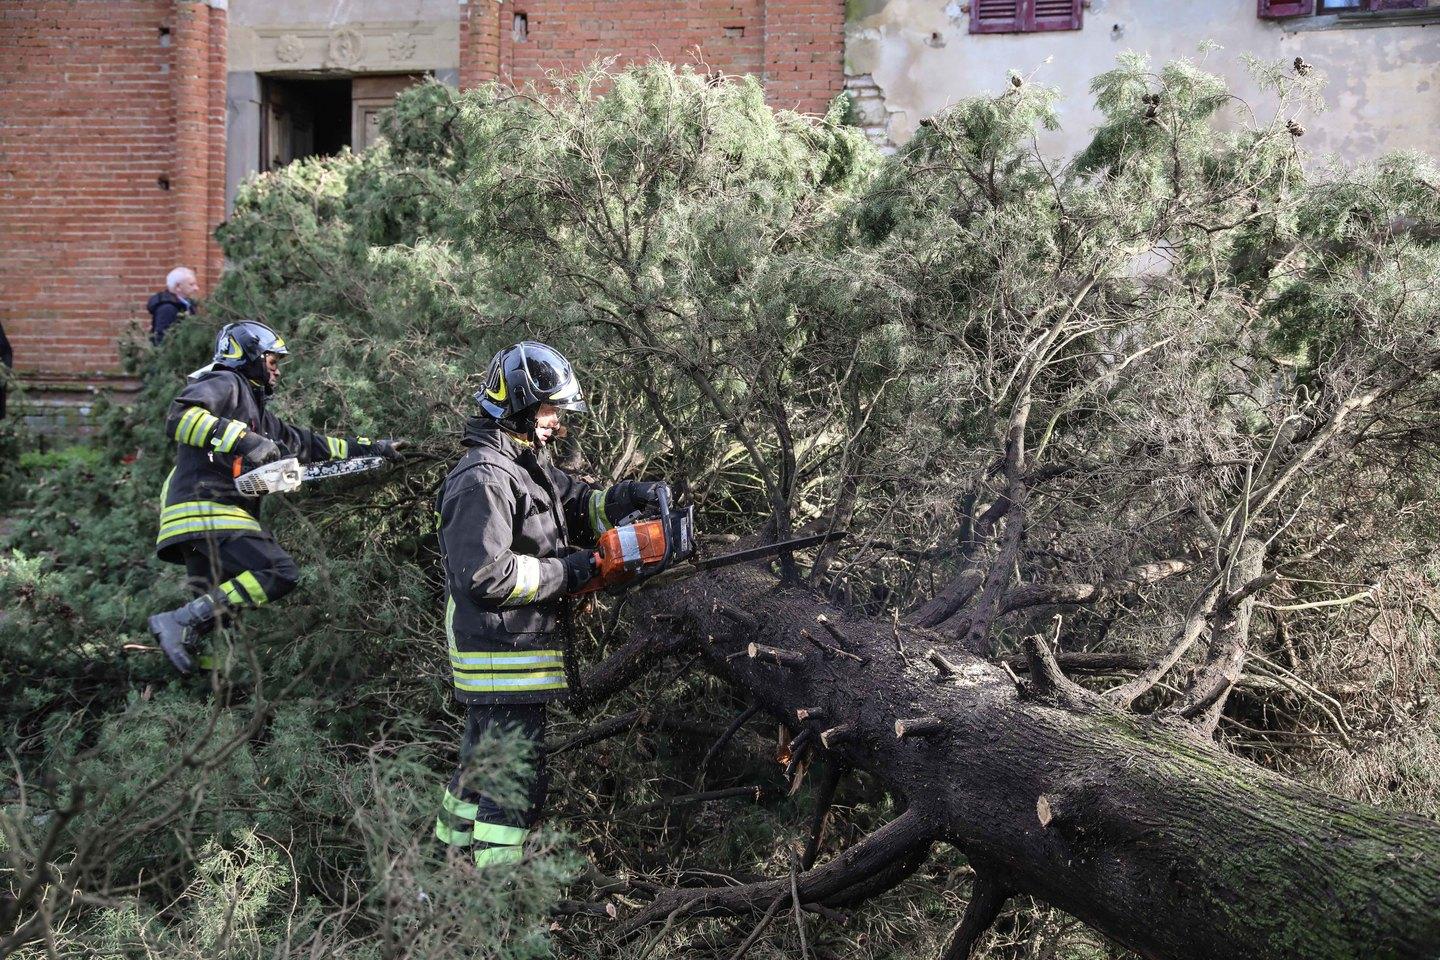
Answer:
(370, 97)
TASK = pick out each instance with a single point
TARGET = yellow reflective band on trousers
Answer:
(461, 837)
(339, 449)
(456, 823)
(453, 804)
(244, 588)
(493, 855)
(203, 516)
(499, 833)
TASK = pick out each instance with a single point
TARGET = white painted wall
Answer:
(1383, 92)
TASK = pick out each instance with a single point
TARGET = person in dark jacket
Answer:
(510, 523)
(221, 428)
(7, 360)
(175, 301)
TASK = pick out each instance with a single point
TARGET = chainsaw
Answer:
(638, 549)
(283, 476)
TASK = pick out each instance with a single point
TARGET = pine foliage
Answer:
(796, 330)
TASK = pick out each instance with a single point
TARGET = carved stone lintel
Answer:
(289, 48)
(346, 47)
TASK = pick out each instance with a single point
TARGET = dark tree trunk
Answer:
(1143, 830)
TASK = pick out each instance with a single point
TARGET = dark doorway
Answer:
(303, 118)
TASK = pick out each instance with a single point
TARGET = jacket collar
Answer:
(484, 432)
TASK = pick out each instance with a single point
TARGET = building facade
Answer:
(126, 126)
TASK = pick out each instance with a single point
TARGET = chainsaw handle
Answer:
(662, 496)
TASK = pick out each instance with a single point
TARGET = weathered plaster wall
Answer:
(908, 59)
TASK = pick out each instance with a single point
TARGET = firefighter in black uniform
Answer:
(222, 428)
(508, 518)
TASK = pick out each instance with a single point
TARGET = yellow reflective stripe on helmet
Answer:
(252, 587)
(460, 808)
(453, 837)
(491, 856)
(499, 833)
(527, 581)
(226, 441)
(339, 449)
(598, 521)
(232, 593)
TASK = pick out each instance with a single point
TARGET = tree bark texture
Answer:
(1140, 828)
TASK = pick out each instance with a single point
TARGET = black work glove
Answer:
(389, 449)
(579, 568)
(257, 449)
(628, 496)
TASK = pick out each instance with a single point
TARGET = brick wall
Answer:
(95, 170)
(797, 46)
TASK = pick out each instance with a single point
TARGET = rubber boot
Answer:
(179, 631)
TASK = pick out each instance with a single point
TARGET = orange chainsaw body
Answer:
(642, 548)
(623, 551)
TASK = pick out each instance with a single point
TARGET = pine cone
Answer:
(1015, 80)
(1295, 129)
(1301, 67)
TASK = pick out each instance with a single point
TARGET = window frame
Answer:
(1024, 19)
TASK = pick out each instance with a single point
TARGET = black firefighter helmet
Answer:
(522, 377)
(241, 346)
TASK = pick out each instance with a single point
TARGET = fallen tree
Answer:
(1161, 414)
(1135, 825)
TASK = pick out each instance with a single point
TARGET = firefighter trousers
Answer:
(470, 818)
(240, 570)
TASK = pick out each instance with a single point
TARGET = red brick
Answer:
(90, 120)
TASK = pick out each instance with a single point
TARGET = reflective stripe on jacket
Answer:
(506, 517)
(216, 409)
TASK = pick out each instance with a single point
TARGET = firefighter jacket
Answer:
(210, 421)
(506, 517)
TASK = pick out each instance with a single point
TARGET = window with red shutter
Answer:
(1281, 9)
(1024, 16)
(1056, 15)
(995, 16)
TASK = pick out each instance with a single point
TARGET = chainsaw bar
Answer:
(765, 550)
(340, 468)
(283, 476)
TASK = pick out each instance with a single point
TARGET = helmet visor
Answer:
(552, 379)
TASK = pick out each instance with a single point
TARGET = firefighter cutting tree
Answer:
(221, 427)
(517, 534)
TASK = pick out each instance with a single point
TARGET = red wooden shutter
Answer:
(1024, 16)
(1056, 15)
(1280, 9)
(996, 16)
